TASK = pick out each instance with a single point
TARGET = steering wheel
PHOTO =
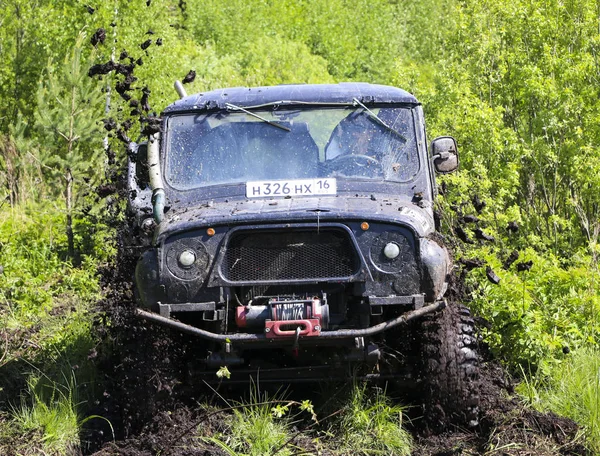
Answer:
(356, 165)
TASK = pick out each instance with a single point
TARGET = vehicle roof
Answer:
(303, 93)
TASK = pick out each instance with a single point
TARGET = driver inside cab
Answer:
(354, 148)
(355, 135)
(365, 144)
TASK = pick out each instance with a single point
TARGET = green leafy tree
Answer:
(514, 82)
(356, 40)
(69, 106)
(31, 32)
(522, 75)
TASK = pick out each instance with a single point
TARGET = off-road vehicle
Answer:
(291, 228)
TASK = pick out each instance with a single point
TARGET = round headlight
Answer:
(187, 258)
(391, 250)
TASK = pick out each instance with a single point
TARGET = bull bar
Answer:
(249, 338)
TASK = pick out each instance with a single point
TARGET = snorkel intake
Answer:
(156, 182)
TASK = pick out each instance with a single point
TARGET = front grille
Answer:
(289, 255)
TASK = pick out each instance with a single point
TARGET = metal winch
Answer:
(284, 317)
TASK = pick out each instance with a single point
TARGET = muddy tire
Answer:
(450, 369)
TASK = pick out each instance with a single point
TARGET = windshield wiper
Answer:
(378, 120)
(238, 108)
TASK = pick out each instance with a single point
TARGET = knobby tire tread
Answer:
(450, 370)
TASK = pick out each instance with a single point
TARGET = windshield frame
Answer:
(345, 182)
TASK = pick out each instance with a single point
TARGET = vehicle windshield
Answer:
(236, 146)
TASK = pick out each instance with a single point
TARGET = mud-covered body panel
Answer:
(356, 206)
(345, 265)
(419, 268)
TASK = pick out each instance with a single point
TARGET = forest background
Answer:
(517, 83)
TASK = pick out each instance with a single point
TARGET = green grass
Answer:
(260, 426)
(370, 424)
(364, 423)
(46, 313)
(45, 301)
(37, 282)
(50, 411)
(49, 418)
(572, 390)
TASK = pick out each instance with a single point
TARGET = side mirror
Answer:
(445, 154)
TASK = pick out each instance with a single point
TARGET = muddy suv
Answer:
(292, 231)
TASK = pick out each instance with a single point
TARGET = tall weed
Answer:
(51, 410)
(260, 426)
(538, 315)
(43, 298)
(546, 302)
(572, 390)
(46, 312)
(370, 424)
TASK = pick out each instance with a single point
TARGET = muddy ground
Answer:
(155, 415)
(156, 408)
(507, 428)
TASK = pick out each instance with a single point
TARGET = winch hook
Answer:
(296, 345)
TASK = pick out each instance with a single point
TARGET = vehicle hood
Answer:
(418, 216)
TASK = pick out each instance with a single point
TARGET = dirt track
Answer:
(154, 412)
(168, 424)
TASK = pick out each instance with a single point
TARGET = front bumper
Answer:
(324, 335)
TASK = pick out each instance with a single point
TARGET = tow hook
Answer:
(296, 345)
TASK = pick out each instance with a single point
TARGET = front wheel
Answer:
(450, 368)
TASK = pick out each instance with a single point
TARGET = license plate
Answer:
(296, 187)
